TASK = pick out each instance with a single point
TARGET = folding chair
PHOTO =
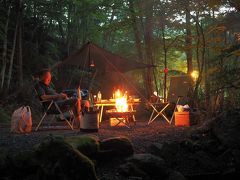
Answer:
(179, 88)
(47, 110)
(160, 111)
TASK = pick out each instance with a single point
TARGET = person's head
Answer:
(46, 76)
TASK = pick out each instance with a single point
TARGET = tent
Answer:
(103, 60)
(109, 66)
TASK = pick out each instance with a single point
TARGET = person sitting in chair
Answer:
(46, 93)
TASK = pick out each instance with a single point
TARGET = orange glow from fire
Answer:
(118, 94)
(121, 102)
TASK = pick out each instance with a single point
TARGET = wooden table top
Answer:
(112, 102)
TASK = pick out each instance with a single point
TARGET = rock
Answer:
(147, 164)
(59, 160)
(129, 169)
(201, 160)
(210, 145)
(3, 161)
(23, 165)
(187, 156)
(88, 145)
(188, 145)
(155, 148)
(226, 129)
(175, 175)
(167, 150)
(236, 159)
(117, 147)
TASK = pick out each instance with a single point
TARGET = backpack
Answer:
(21, 121)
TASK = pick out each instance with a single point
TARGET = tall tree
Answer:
(12, 57)
(188, 40)
(136, 30)
(5, 44)
(148, 38)
(20, 56)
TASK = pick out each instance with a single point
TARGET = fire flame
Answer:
(118, 94)
(121, 102)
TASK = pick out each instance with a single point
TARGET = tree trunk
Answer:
(69, 28)
(136, 31)
(188, 40)
(148, 37)
(200, 61)
(165, 64)
(12, 57)
(20, 60)
(4, 54)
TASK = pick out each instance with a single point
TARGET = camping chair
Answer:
(47, 110)
(178, 91)
(159, 110)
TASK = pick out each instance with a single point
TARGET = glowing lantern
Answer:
(195, 75)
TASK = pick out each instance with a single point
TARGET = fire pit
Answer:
(125, 117)
(123, 112)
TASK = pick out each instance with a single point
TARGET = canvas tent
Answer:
(108, 66)
(103, 60)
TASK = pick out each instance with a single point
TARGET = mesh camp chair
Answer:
(50, 107)
(178, 93)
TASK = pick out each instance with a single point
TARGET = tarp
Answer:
(103, 60)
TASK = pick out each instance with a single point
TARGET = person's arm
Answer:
(43, 96)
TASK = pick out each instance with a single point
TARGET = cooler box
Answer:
(182, 119)
(115, 122)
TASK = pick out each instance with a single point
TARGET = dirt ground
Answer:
(142, 135)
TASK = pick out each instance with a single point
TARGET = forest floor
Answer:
(142, 136)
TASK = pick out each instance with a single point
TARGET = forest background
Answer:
(180, 35)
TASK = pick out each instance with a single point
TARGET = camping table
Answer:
(122, 117)
(103, 103)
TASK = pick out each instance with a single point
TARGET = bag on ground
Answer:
(21, 121)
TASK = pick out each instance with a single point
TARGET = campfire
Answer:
(121, 102)
(123, 112)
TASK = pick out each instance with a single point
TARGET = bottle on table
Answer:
(99, 96)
